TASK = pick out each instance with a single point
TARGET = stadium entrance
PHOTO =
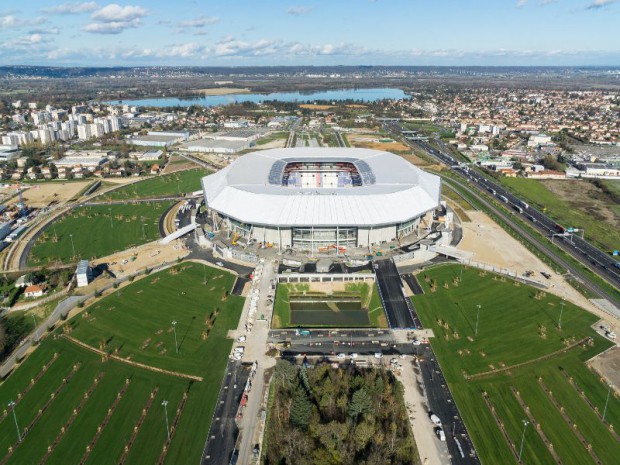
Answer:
(323, 239)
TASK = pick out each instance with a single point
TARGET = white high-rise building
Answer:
(17, 138)
(10, 139)
(83, 131)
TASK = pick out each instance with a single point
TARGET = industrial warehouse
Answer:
(321, 198)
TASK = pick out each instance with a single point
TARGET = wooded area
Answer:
(337, 416)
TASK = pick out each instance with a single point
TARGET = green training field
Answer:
(358, 306)
(117, 419)
(518, 324)
(160, 186)
(147, 336)
(96, 233)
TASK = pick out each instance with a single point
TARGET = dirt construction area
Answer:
(491, 245)
(41, 195)
(607, 365)
(373, 141)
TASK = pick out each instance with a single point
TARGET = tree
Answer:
(301, 409)
(361, 403)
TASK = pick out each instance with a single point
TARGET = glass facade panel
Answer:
(314, 238)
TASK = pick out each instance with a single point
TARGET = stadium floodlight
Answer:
(12, 405)
(72, 245)
(165, 404)
(561, 311)
(36, 338)
(477, 319)
(525, 423)
(611, 386)
(111, 222)
(174, 328)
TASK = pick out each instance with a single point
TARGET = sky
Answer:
(310, 32)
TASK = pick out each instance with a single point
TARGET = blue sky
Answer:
(319, 32)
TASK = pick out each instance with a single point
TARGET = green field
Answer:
(583, 211)
(160, 186)
(111, 325)
(517, 324)
(189, 437)
(364, 309)
(95, 233)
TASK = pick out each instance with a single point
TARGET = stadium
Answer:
(320, 198)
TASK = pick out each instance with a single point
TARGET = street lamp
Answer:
(174, 328)
(607, 401)
(36, 338)
(72, 245)
(12, 407)
(561, 311)
(525, 423)
(165, 404)
(477, 319)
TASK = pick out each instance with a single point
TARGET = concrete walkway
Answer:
(256, 345)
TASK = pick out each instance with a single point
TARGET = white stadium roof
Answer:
(393, 191)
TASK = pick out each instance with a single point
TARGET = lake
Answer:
(366, 95)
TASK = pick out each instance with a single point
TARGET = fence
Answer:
(503, 271)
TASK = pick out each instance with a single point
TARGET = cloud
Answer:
(22, 43)
(299, 10)
(53, 30)
(598, 4)
(71, 8)
(8, 21)
(113, 27)
(521, 3)
(199, 22)
(115, 13)
(115, 19)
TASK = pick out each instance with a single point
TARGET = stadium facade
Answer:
(320, 198)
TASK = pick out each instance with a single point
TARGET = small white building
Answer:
(83, 273)
(34, 291)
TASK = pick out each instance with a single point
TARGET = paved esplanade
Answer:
(395, 303)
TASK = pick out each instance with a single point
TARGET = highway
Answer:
(590, 256)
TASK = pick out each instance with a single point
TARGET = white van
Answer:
(440, 434)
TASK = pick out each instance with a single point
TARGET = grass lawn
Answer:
(577, 213)
(124, 323)
(95, 234)
(516, 327)
(188, 441)
(159, 186)
(369, 298)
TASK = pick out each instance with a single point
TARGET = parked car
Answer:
(435, 419)
(416, 342)
(440, 434)
(378, 355)
(219, 263)
(354, 355)
(341, 356)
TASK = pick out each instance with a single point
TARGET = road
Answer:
(441, 403)
(590, 256)
(397, 306)
(223, 432)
